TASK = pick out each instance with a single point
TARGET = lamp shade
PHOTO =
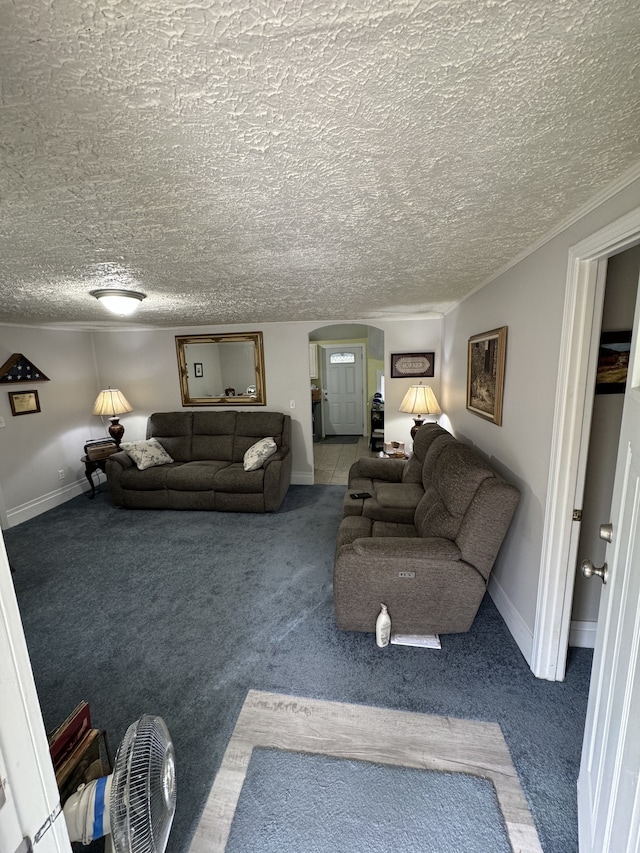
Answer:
(420, 400)
(111, 403)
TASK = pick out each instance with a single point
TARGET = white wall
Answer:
(529, 299)
(143, 365)
(34, 447)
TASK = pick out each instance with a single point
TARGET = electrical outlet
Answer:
(292, 404)
(61, 474)
(2, 423)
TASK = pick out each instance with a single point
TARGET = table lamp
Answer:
(112, 403)
(419, 401)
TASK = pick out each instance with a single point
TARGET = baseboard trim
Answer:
(37, 506)
(518, 628)
(583, 634)
(302, 478)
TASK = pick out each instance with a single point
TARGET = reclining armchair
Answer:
(431, 573)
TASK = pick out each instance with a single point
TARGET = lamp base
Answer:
(417, 423)
(116, 430)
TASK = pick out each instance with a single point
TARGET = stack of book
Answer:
(79, 752)
(100, 448)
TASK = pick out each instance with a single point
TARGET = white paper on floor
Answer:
(423, 641)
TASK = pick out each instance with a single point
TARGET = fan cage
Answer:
(143, 797)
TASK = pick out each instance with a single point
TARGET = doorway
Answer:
(343, 389)
(623, 271)
(332, 458)
(584, 298)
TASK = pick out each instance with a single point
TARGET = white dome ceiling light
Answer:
(122, 302)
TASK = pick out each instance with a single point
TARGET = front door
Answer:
(609, 783)
(343, 404)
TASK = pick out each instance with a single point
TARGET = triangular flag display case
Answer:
(20, 369)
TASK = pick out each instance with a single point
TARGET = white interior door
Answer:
(609, 782)
(29, 797)
(343, 405)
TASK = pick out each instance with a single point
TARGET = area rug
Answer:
(358, 733)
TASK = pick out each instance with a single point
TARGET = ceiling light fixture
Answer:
(122, 302)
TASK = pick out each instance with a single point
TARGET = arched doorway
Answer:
(347, 369)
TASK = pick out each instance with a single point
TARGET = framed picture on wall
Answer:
(485, 374)
(412, 364)
(24, 402)
(197, 369)
(613, 362)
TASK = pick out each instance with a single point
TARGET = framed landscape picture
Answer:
(613, 362)
(485, 374)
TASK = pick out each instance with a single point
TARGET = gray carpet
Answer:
(180, 613)
(316, 803)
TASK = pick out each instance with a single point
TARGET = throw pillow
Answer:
(256, 455)
(146, 454)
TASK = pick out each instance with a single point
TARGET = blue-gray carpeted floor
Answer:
(180, 613)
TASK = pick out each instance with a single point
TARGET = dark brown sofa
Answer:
(432, 571)
(207, 471)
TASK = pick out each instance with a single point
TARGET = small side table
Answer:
(91, 465)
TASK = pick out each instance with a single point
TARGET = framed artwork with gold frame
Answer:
(486, 358)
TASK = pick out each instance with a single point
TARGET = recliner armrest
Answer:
(402, 548)
(378, 469)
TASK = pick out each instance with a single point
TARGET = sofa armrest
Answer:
(407, 548)
(122, 459)
(278, 456)
(277, 478)
(378, 469)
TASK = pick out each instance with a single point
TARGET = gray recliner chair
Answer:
(431, 573)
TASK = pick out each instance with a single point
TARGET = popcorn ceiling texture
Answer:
(266, 160)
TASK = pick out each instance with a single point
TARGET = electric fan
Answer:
(134, 806)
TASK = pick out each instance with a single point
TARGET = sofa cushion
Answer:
(423, 439)
(146, 481)
(457, 475)
(383, 529)
(173, 431)
(258, 453)
(213, 434)
(251, 426)
(194, 476)
(146, 454)
(402, 495)
(233, 478)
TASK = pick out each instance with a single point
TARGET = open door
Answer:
(609, 782)
(30, 813)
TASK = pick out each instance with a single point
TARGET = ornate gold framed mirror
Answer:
(221, 370)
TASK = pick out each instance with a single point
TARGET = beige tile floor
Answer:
(331, 462)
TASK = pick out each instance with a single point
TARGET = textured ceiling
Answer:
(243, 161)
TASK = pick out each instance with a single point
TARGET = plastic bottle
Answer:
(383, 627)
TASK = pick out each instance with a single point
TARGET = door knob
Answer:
(588, 570)
(606, 532)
